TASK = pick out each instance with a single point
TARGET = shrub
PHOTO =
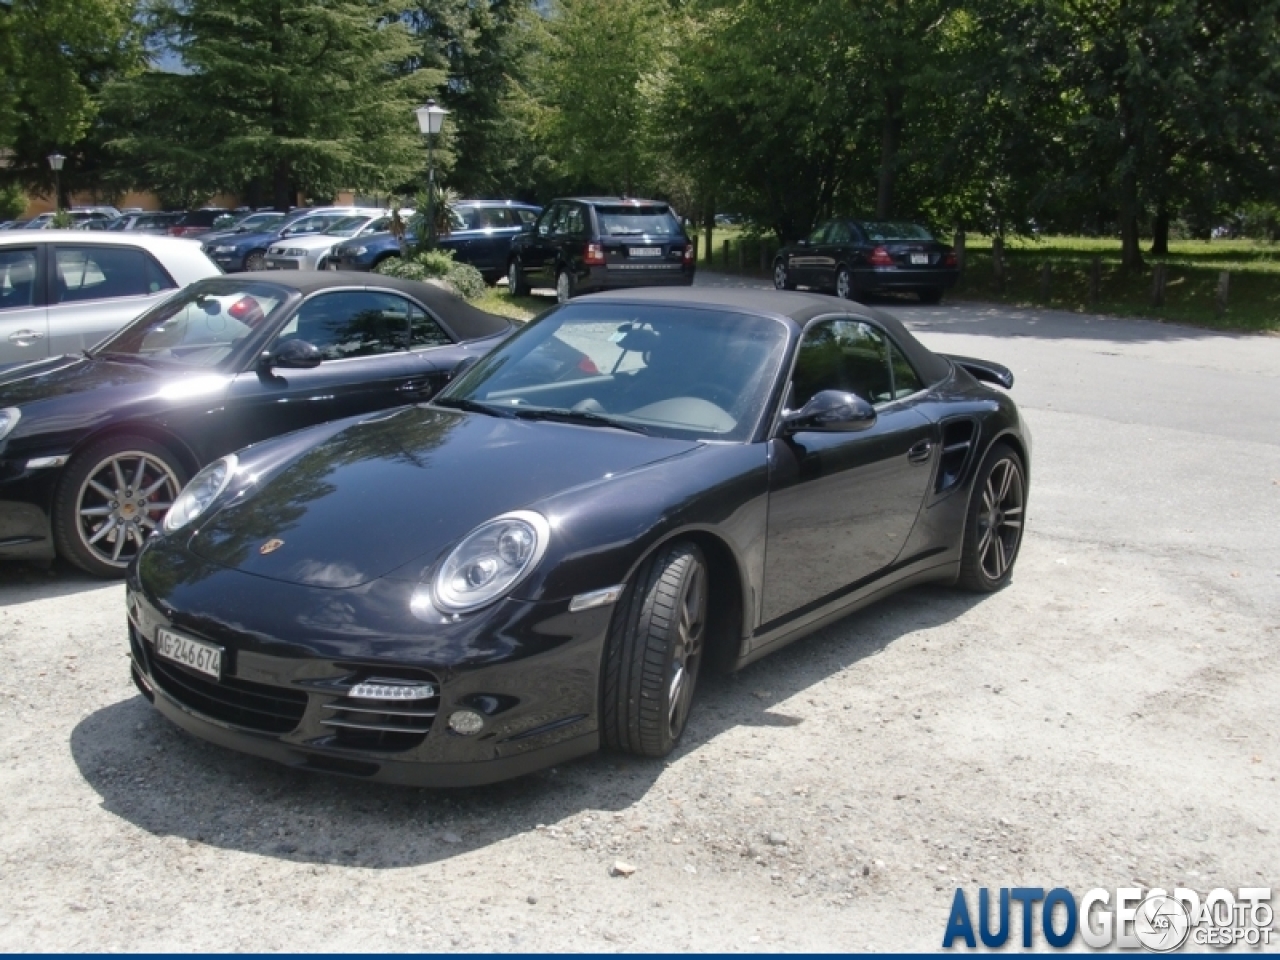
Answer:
(12, 202)
(437, 265)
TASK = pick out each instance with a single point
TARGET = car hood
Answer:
(104, 385)
(392, 488)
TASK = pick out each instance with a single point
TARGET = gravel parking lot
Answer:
(1110, 719)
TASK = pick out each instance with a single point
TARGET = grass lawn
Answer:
(497, 300)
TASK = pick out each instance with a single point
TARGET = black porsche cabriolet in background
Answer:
(853, 258)
(94, 446)
(533, 564)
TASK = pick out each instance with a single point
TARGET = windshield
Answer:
(661, 369)
(877, 231)
(347, 226)
(200, 327)
(316, 223)
(631, 221)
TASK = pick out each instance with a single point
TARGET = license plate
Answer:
(646, 251)
(919, 258)
(196, 654)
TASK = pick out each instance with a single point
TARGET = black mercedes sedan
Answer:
(532, 565)
(95, 446)
(853, 258)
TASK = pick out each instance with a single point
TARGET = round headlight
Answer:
(9, 418)
(199, 493)
(491, 560)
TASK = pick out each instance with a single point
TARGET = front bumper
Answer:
(26, 503)
(291, 654)
(287, 263)
(229, 262)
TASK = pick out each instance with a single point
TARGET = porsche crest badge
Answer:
(271, 546)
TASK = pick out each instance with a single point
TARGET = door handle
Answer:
(21, 335)
(919, 453)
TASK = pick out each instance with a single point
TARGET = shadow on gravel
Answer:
(21, 581)
(167, 783)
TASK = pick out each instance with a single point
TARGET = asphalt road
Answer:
(1108, 720)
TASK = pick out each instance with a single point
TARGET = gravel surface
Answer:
(1109, 719)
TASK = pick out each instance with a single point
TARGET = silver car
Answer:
(61, 291)
(310, 252)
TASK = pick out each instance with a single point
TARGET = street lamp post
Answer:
(56, 160)
(430, 122)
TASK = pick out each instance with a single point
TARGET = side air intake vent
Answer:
(958, 437)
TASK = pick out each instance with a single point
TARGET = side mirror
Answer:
(292, 355)
(830, 411)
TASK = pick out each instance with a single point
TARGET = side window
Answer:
(575, 223)
(17, 277)
(839, 233)
(425, 331)
(548, 218)
(905, 379)
(819, 235)
(845, 355)
(103, 273)
(492, 218)
(560, 228)
(523, 216)
(351, 323)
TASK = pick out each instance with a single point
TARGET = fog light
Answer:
(466, 722)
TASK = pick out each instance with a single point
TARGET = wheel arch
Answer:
(728, 592)
(1011, 437)
(154, 432)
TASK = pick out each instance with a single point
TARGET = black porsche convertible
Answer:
(94, 446)
(533, 565)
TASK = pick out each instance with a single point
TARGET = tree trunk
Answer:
(280, 185)
(1160, 232)
(709, 225)
(890, 139)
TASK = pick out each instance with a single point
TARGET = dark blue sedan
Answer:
(248, 251)
(481, 235)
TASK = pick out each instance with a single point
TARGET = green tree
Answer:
(55, 56)
(304, 95)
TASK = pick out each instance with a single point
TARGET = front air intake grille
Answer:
(385, 725)
(254, 706)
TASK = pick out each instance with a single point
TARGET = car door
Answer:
(435, 353)
(97, 289)
(540, 261)
(804, 264)
(24, 318)
(841, 505)
(830, 253)
(363, 337)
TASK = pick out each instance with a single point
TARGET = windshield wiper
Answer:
(581, 417)
(473, 406)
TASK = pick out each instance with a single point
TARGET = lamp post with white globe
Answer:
(431, 122)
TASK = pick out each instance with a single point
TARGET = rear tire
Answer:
(781, 276)
(845, 289)
(994, 521)
(110, 499)
(654, 653)
(566, 287)
(517, 283)
(931, 295)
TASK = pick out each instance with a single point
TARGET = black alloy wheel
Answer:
(781, 276)
(654, 653)
(993, 527)
(111, 498)
(255, 261)
(844, 284)
(517, 285)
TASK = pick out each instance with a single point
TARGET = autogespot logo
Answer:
(1155, 919)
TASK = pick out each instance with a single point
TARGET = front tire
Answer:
(111, 498)
(781, 276)
(256, 261)
(517, 283)
(994, 521)
(654, 653)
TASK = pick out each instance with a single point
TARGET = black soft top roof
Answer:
(464, 321)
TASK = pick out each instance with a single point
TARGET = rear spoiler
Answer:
(984, 370)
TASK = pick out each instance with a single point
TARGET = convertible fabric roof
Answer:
(799, 307)
(463, 320)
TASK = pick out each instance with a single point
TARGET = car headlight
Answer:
(9, 418)
(295, 252)
(224, 249)
(490, 561)
(358, 251)
(199, 493)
